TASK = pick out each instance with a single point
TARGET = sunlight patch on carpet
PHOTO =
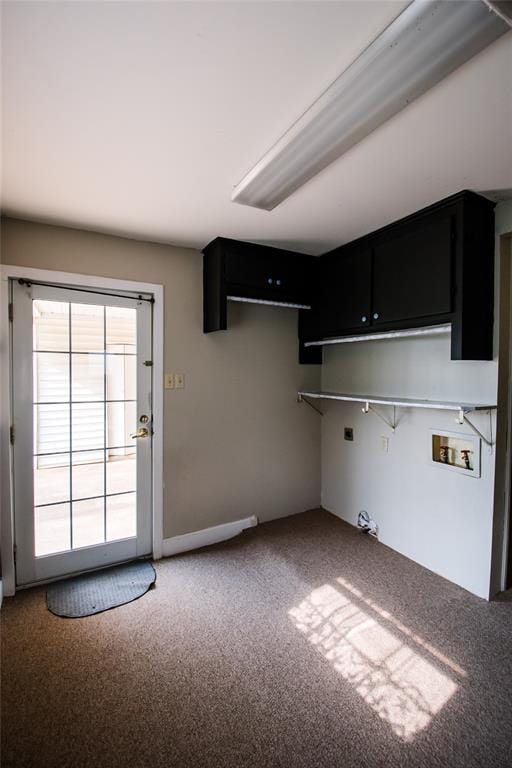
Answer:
(388, 667)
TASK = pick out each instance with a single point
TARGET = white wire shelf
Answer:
(429, 330)
(370, 401)
(400, 402)
(288, 304)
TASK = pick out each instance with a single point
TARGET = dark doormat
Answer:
(96, 592)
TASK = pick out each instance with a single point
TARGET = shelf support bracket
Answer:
(463, 419)
(391, 424)
(302, 399)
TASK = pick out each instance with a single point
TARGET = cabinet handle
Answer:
(376, 315)
(270, 281)
(364, 319)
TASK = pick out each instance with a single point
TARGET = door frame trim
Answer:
(501, 553)
(66, 279)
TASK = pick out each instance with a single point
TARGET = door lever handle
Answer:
(141, 432)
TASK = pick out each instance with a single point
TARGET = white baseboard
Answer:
(206, 536)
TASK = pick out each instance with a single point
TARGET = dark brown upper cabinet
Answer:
(235, 270)
(433, 267)
(238, 271)
(413, 272)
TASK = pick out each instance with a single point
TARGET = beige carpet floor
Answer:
(300, 644)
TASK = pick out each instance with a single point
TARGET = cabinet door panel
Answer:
(412, 273)
(274, 275)
(346, 291)
(254, 270)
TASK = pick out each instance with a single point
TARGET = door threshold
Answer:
(81, 573)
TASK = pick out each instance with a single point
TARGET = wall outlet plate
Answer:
(348, 433)
(169, 381)
(179, 380)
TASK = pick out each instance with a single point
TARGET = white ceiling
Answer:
(138, 118)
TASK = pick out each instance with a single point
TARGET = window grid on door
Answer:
(116, 522)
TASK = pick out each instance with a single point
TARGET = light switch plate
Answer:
(169, 380)
(179, 380)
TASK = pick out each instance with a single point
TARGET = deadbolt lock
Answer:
(144, 419)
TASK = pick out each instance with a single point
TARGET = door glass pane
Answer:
(87, 426)
(87, 374)
(51, 325)
(121, 516)
(121, 324)
(51, 377)
(52, 529)
(51, 479)
(121, 377)
(85, 464)
(121, 423)
(51, 428)
(121, 470)
(88, 522)
(88, 474)
(87, 328)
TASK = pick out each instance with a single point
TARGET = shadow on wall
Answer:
(404, 679)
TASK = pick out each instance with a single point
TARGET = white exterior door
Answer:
(82, 416)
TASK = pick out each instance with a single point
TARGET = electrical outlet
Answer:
(348, 433)
(169, 381)
(179, 380)
(384, 444)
